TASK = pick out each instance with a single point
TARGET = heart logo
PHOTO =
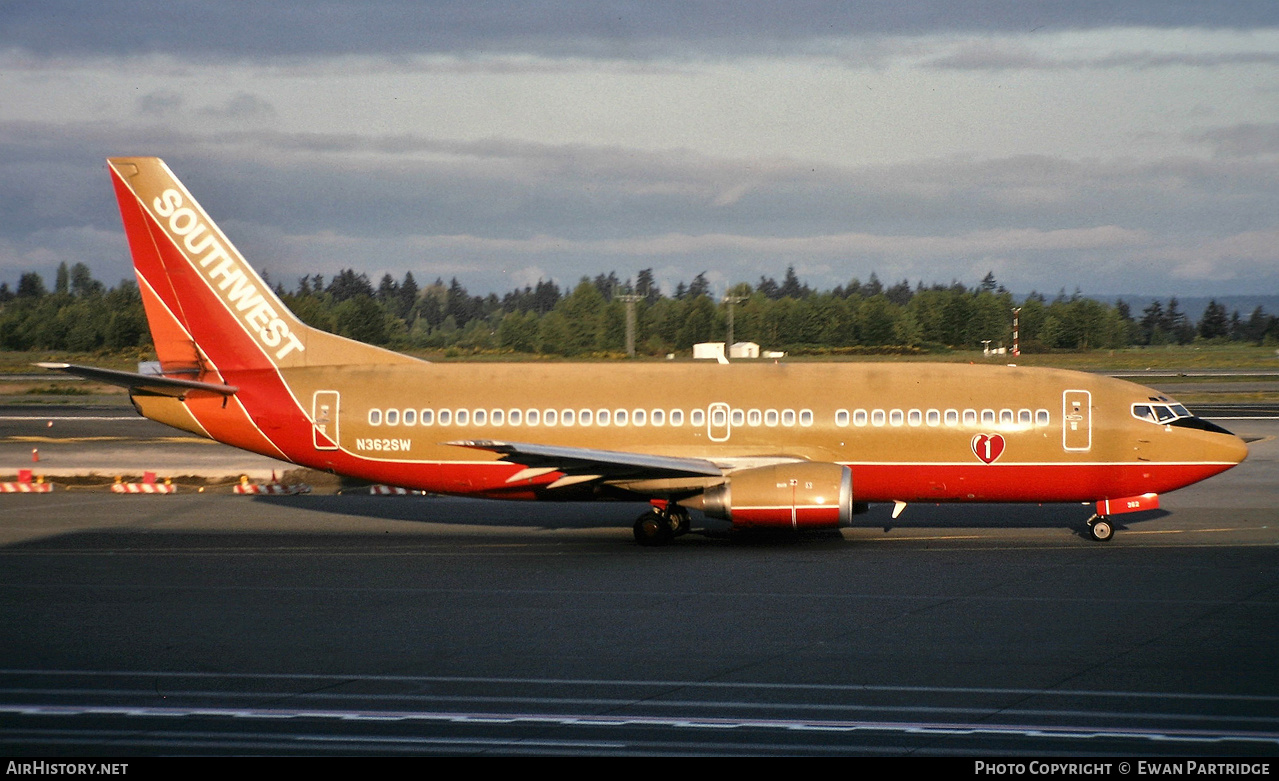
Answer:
(988, 447)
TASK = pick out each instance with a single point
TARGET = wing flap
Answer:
(581, 465)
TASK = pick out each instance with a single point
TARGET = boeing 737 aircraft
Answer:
(760, 445)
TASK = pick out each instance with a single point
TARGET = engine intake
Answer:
(794, 496)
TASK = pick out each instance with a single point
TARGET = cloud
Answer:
(263, 30)
(1247, 140)
(242, 106)
(161, 103)
(1005, 56)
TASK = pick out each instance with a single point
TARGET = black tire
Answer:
(683, 523)
(653, 530)
(1101, 530)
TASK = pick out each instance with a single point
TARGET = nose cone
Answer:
(1236, 449)
(1221, 446)
(1224, 448)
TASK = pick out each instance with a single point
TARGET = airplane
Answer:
(761, 445)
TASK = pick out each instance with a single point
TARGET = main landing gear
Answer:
(1099, 528)
(661, 525)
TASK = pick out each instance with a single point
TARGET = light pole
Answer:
(731, 300)
(629, 299)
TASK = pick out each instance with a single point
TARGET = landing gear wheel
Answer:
(1100, 529)
(680, 523)
(653, 529)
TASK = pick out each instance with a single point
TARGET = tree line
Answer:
(80, 314)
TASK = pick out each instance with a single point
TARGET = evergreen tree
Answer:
(791, 287)
(646, 286)
(406, 303)
(30, 285)
(699, 286)
(1215, 323)
(62, 281)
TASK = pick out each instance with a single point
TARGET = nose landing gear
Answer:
(1099, 528)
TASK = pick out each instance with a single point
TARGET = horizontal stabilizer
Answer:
(151, 383)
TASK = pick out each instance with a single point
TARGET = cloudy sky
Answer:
(1125, 147)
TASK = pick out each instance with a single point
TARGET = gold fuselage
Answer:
(908, 430)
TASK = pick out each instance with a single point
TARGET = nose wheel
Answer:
(1099, 528)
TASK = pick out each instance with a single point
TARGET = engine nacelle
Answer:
(791, 496)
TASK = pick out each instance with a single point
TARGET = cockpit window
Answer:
(1160, 413)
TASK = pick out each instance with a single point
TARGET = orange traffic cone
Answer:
(35, 455)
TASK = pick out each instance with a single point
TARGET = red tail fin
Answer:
(207, 308)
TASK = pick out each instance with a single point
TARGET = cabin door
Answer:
(717, 424)
(1076, 420)
(324, 413)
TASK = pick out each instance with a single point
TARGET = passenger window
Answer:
(970, 417)
(446, 417)
(770, 417)
(933, 417)
(514, 417)
(718, 418)
(738, 417)
(532, 417)
(877, 417)
(1041, 417)
(1023, 417)
(549, 417)
(788, 417)
(480, 417)
(392, 417)
(584, 417)
(428, 417)
(755, 417)
(619, 417)
(952, 417)
(841, 417)
(410, 417)
(697, 417)
(806, 417)
(988, 417)
(659, 417)
(639, 417)
(677, 417)
(462, 417)
(1006, 417)
(375, 417)
(567, 417)
(914, 417)
(895, 417)
(601, 417)
(498, 417)
(859, 417)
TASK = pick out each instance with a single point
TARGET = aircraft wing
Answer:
(151, 383)
(580, 464)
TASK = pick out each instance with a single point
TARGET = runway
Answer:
(339, 625)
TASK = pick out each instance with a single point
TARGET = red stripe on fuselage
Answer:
(1023, 482)
(872, 482)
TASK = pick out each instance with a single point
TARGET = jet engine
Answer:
(791, 496)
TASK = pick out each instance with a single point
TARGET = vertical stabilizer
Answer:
(205, 304)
